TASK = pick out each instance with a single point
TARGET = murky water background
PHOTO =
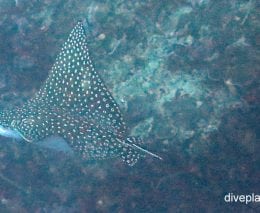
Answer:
(186, 76)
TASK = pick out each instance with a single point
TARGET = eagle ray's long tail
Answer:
(134, 151)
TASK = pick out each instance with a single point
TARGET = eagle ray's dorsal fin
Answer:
(73, 83)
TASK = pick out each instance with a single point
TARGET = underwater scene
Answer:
(129, 106)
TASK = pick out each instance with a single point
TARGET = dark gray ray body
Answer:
(74, 104)
(74, 84)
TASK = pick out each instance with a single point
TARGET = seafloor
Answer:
(186, 76)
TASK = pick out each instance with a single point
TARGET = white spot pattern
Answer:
(73, 83)
(75, 104)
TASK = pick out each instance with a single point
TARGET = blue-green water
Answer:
(185, 75)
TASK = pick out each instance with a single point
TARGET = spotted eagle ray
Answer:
(73, 111)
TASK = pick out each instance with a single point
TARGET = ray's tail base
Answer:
(132, 150)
